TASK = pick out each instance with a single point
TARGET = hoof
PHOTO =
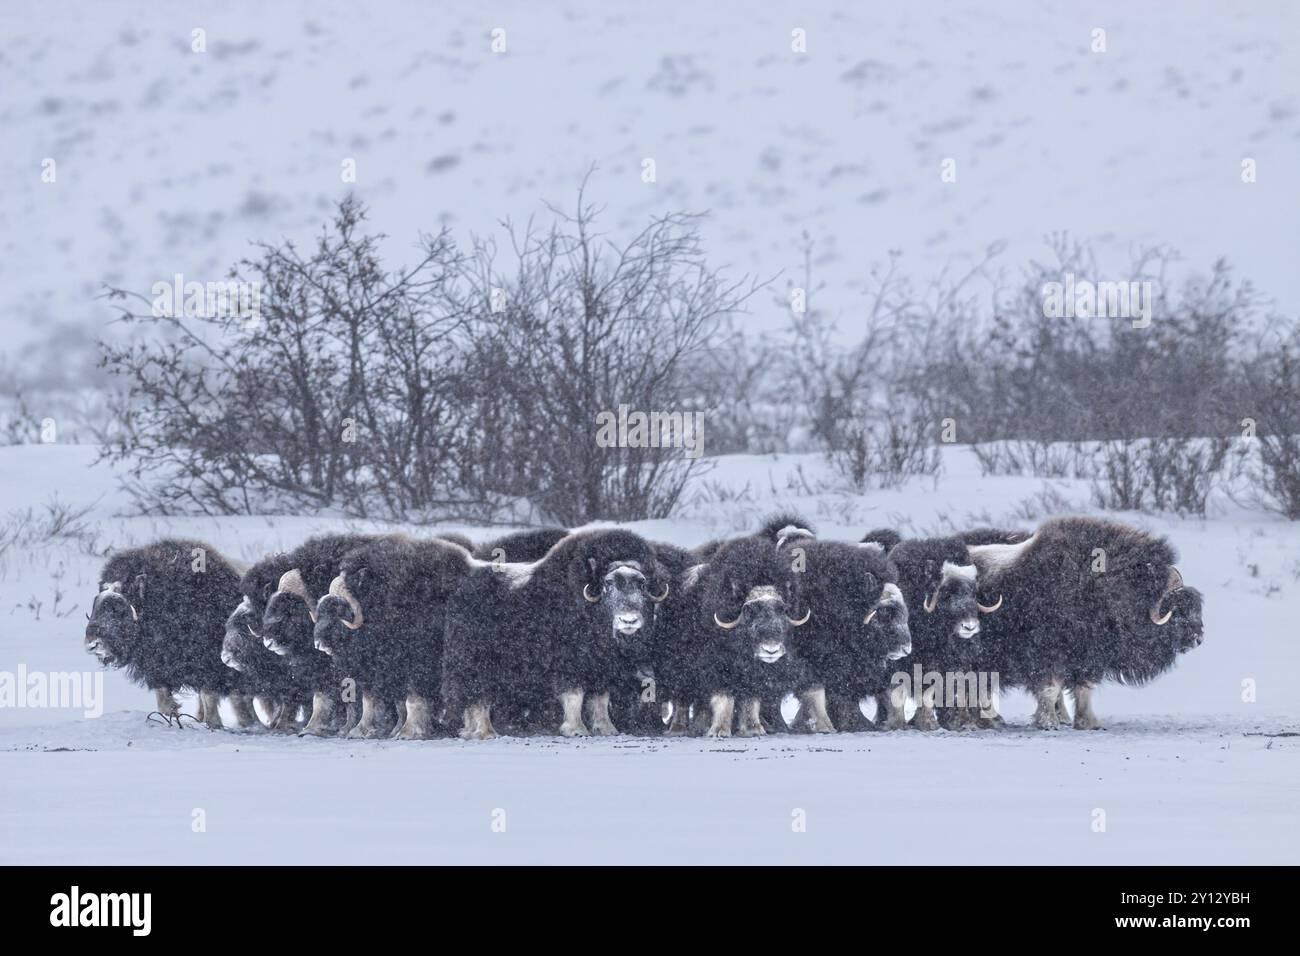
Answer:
(574, 730)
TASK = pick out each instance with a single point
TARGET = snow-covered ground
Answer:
(1186, 771)
(170, 161)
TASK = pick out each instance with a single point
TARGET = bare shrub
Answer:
(1274, 467)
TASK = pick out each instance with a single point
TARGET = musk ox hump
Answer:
(995, 558)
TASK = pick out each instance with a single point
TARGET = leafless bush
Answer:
(883, 450)
(343, 392)
(54, 521)
(1174, 474)
(1273, 469)
(585, 327)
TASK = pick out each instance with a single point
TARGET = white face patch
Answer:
(246, 605)
(629, 571)
(763, 593)
(998, 557)
(958, 572)
(874, 546)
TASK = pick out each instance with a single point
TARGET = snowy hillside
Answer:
(170, 161)
(1185, 771)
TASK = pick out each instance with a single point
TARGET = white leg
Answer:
(1045, 716)
(751, 723)
(477, 723)
(322, 708)
(370, 725)
(210, 709)
(1084, 718)
(723, 707)
(601, 725)
(815, 702)
(572, 726)
(245, 713)
(679, 726)
(924, 718)
(417, 725)
(166, 703)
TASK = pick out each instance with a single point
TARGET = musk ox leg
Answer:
(751, 723)
(245, 713)
(477, 723)
(723, 707)
(351, 717)
(210, 709)
(283, 714)
(846, 715)
(1062, 712)
(598, 716)
(167, 705)
(419, 722)
(891, 709)
(1045, 716)
(1084, 718)
(924, 718)
(373, 722)
(813, 707)
(572, 725)
(322, 709)
(701, 719)
(680, 723)
(990, 718)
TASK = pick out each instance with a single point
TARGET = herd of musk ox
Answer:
(604, 632)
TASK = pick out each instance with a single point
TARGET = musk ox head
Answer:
(616, 580)
(113, 624)
(940, 585)
(753, 598)
(855, 591)
(883, 632)
(242, 641)
(339, 617)
(1174, 617)
(289, 616)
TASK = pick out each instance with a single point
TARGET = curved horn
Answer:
(931, 605)
(135, 615)
(593, 600)
(339, 588)
(1175, 583)
(803, 620)
(991, 609)
(660, 597)
(723, 624)
(870, 615)
(291, 582)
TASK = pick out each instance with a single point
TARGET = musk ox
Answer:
(382, 622)
(857, 633)
(939, 586)
(733, 637)
(1081, 601)
(576, 623)
(267, 674)
(289, 621)
(160, 614)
